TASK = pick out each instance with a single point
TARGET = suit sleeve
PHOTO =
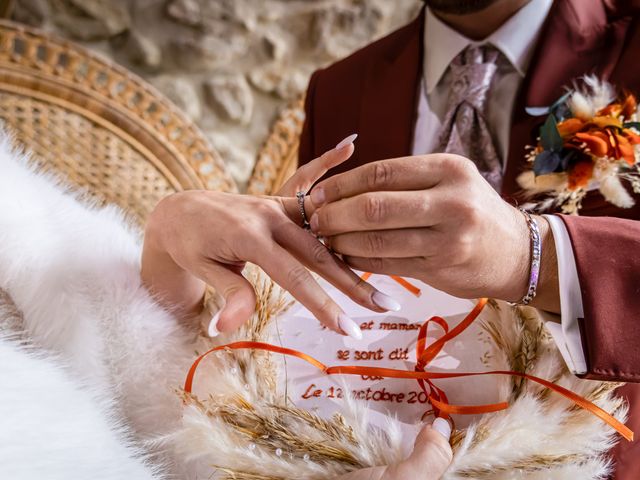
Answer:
(306, 151)
(607, 254)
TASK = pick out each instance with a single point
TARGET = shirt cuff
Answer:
(566, 332)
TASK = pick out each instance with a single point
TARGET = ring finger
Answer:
(306, 248)
(291, 275)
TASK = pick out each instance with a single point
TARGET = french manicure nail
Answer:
(349, 327)
(385, 301)
(317, 196)
(347, 141)
(313, 223)
(442, 426)
(213, 326)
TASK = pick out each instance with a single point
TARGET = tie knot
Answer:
(472, 72)
(476, 54)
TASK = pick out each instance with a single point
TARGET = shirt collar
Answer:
(515, 39)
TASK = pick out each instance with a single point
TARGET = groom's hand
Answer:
(432, 217)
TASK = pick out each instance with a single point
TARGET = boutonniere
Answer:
(589, 141)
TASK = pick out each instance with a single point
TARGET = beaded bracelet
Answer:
(536, 252)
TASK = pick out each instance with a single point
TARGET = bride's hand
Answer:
(198, 237)
(429, 460)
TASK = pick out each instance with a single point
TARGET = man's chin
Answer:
(459, 7)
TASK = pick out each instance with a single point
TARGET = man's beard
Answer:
(458, 7)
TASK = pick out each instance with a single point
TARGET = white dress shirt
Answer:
(515, 39)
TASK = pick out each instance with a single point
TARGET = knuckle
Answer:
(300, 176)
(473, 215)
(464, 246)
(326, 306)
(381, 175)
(267, 209)
(442, 452)
(468, 168)
(422, 203)
(374, 242)
(373, 209)
(325, 158)
(459, 165)
(335, 187)
(304, 169)
(376, 264)
(248, 227)
(465, 211)
(360, 285)
(297, 275)
(425, 264)
(232, 289)
(319, 253)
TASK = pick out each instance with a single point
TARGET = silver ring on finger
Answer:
(305, 221)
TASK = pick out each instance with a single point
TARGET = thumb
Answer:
(238, 294)
(429, 460)
(432, 449)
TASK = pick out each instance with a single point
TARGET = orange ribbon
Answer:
(424, 355)
(408, 285)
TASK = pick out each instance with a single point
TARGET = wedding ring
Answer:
(303, 213)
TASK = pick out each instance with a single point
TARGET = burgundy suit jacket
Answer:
(374, 93)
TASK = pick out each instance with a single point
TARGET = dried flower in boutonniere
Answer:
(590, 141)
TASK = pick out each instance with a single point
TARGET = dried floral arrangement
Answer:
(590, 140)
(242, 426)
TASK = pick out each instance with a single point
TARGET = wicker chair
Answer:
(278, 158)
(98, 124)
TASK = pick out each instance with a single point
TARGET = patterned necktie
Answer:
(464, 129)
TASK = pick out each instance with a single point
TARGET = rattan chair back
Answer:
(101, 126)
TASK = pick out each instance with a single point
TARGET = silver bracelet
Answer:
(536, 253)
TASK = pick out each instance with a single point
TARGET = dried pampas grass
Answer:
(541, 184)
(238, 425)
(614, 192)
(596, 94)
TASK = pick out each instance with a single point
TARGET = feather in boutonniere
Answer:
(589, 141)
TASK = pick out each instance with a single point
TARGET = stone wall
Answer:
(230, 65)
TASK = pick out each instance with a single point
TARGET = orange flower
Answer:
(570, 126)
(602, 121)
(580, 175)
(596, 140)
(600, 137)
(621, 148)
(612, 110)
(632, 136)
(629, 106)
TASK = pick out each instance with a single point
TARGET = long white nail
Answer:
(347, 141)
(349, 327)
(385, 301)
(213, 326)
(442, 426)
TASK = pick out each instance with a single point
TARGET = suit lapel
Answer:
(390, 97)
(576, 40)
